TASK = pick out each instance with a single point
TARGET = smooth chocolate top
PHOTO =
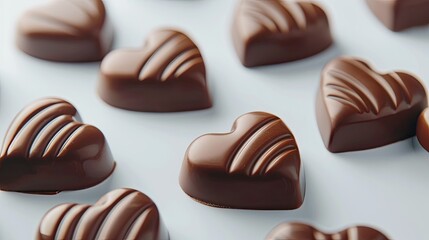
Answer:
(277, 31)
(398, 15)
(301, 231)
(66, 30)
(47, 149)
(120, 214)
(423, 129)
(255, 166)
(166, 74)
(359, 108)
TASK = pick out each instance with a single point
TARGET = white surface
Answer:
(385, 187)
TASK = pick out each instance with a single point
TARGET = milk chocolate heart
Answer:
(120, 214)
(358, 108)
(423, 129)
(278, 31)
(398, 15)
(66, 31)
(255, 166)
(166, 75)
(301, 231)
(47, 150)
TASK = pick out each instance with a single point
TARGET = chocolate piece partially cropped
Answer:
(278, 31)
(301, 231)
(120, 214)
(399, 15)
(423, 129)
(166, 75)
(47, 150)
(255, 166)
(358, 108)
(66, 31)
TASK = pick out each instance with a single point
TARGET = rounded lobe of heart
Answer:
(120, 214)
(302, 231)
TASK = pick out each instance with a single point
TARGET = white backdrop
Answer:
(386, 187)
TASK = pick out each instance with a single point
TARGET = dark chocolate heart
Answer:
(301, 231)
(278, 31)
(66, 31)
(166, 75)
(255, 166)
(423, 129)
(358, 108)
(398, 15)
(47, 150)
(120, 214)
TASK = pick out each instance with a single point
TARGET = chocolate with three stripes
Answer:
(302, 231)
(47, 149)
(358, 108)
(398, 15)
(255, 166)
(66, 31)
(120, 214)
(278, 31)
(166, 75)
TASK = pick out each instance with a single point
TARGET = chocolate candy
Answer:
(66, 31)
(255, 166)
(166, 75)
(423, 129)
(278, 31)
(358, 108)
(300, 231)
(47, 150)
(398, 15)
(120, 214)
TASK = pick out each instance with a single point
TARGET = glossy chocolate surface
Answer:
(120, 214)
(166, 75)
(398, 15)
(277, 31)
(423, 129)
(300, 231)
(47, 149)
(255, 166)
(66, 31)
(358, 108)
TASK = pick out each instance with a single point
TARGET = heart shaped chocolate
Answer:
(47, 150)
(278, 31)
(166, 75)
(423, 129)
(398, 15)
(120, 214)
(66, 31)
(301, 231)
(358, 108)
(255, 166)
